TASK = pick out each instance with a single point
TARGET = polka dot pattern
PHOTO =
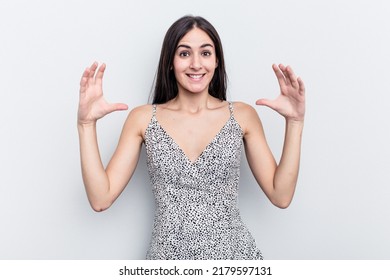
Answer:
(197, 215)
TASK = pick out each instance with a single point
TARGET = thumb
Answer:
(266, 102)
(117, 107)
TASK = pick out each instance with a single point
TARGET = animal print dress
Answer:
(197, 215)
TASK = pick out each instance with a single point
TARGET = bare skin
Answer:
(192, 119)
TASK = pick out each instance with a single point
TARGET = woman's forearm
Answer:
(95, 178)
(286, 174)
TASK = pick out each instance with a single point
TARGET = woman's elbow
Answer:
(282, 203)
(99, 206)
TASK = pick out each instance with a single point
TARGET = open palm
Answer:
(92, 105)
(291, 101)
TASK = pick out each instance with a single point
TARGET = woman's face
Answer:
(194, 62)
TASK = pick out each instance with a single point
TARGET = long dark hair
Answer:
(165, 87)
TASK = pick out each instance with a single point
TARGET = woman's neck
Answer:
(193, 102)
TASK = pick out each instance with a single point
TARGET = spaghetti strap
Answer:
(231, 108)
(154, 110)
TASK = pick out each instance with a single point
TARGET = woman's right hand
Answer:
(92, 105)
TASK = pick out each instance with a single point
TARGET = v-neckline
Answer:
(193, 162)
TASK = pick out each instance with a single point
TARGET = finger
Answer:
(267, 103)
(84, 80)
(92, 71)
(100, 73)
(117, 107)
(84, 76)
(290, 75)
(301, 86)
(279, 75)
(94, 65)
(283, 69)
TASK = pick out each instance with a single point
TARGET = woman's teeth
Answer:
(195, 76)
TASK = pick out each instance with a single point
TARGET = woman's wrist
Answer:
(83, 125)
(298, 122)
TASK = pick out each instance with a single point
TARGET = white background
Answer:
(340, 48)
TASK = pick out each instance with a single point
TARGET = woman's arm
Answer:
(278, 181)
(102, 185)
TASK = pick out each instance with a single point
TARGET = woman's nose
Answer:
(196, 62)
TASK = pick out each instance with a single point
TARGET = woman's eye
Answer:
(206, 53)
(184, 54)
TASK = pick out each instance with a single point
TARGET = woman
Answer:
(193, 139)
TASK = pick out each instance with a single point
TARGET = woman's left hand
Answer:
(291, 101)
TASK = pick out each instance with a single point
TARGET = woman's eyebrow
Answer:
(183, 46)
(207, 45)
(202, 46)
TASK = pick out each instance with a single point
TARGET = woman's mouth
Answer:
(196, 76)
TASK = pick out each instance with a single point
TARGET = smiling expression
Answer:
(194, 62)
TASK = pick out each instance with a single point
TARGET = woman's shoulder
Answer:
(138, 120)
(142, 110)
(245, 115)
(140, 116)
(242, 108)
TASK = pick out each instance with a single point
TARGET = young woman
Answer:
(193, 139)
